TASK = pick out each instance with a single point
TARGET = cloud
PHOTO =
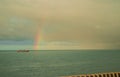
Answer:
(88, 22)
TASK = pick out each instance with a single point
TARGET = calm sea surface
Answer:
(58, 62)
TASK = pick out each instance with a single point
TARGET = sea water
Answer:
(55, 63)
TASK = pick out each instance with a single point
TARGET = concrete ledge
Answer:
(110, 74)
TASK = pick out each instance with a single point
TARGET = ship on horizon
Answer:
(22, 50)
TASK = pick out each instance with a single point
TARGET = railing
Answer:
(111, 74)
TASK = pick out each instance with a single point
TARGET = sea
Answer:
(56, 63)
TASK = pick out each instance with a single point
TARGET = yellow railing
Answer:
(111, 74)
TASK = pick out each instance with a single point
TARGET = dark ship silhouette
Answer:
(22, 50)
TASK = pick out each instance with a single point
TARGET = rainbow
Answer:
(37, 40)
(38, 37)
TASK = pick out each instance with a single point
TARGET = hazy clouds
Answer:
(90, 23)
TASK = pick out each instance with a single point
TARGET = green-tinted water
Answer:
(58, 63)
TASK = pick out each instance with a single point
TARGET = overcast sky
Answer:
(64, 24)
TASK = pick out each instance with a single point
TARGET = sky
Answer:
(62, 24)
